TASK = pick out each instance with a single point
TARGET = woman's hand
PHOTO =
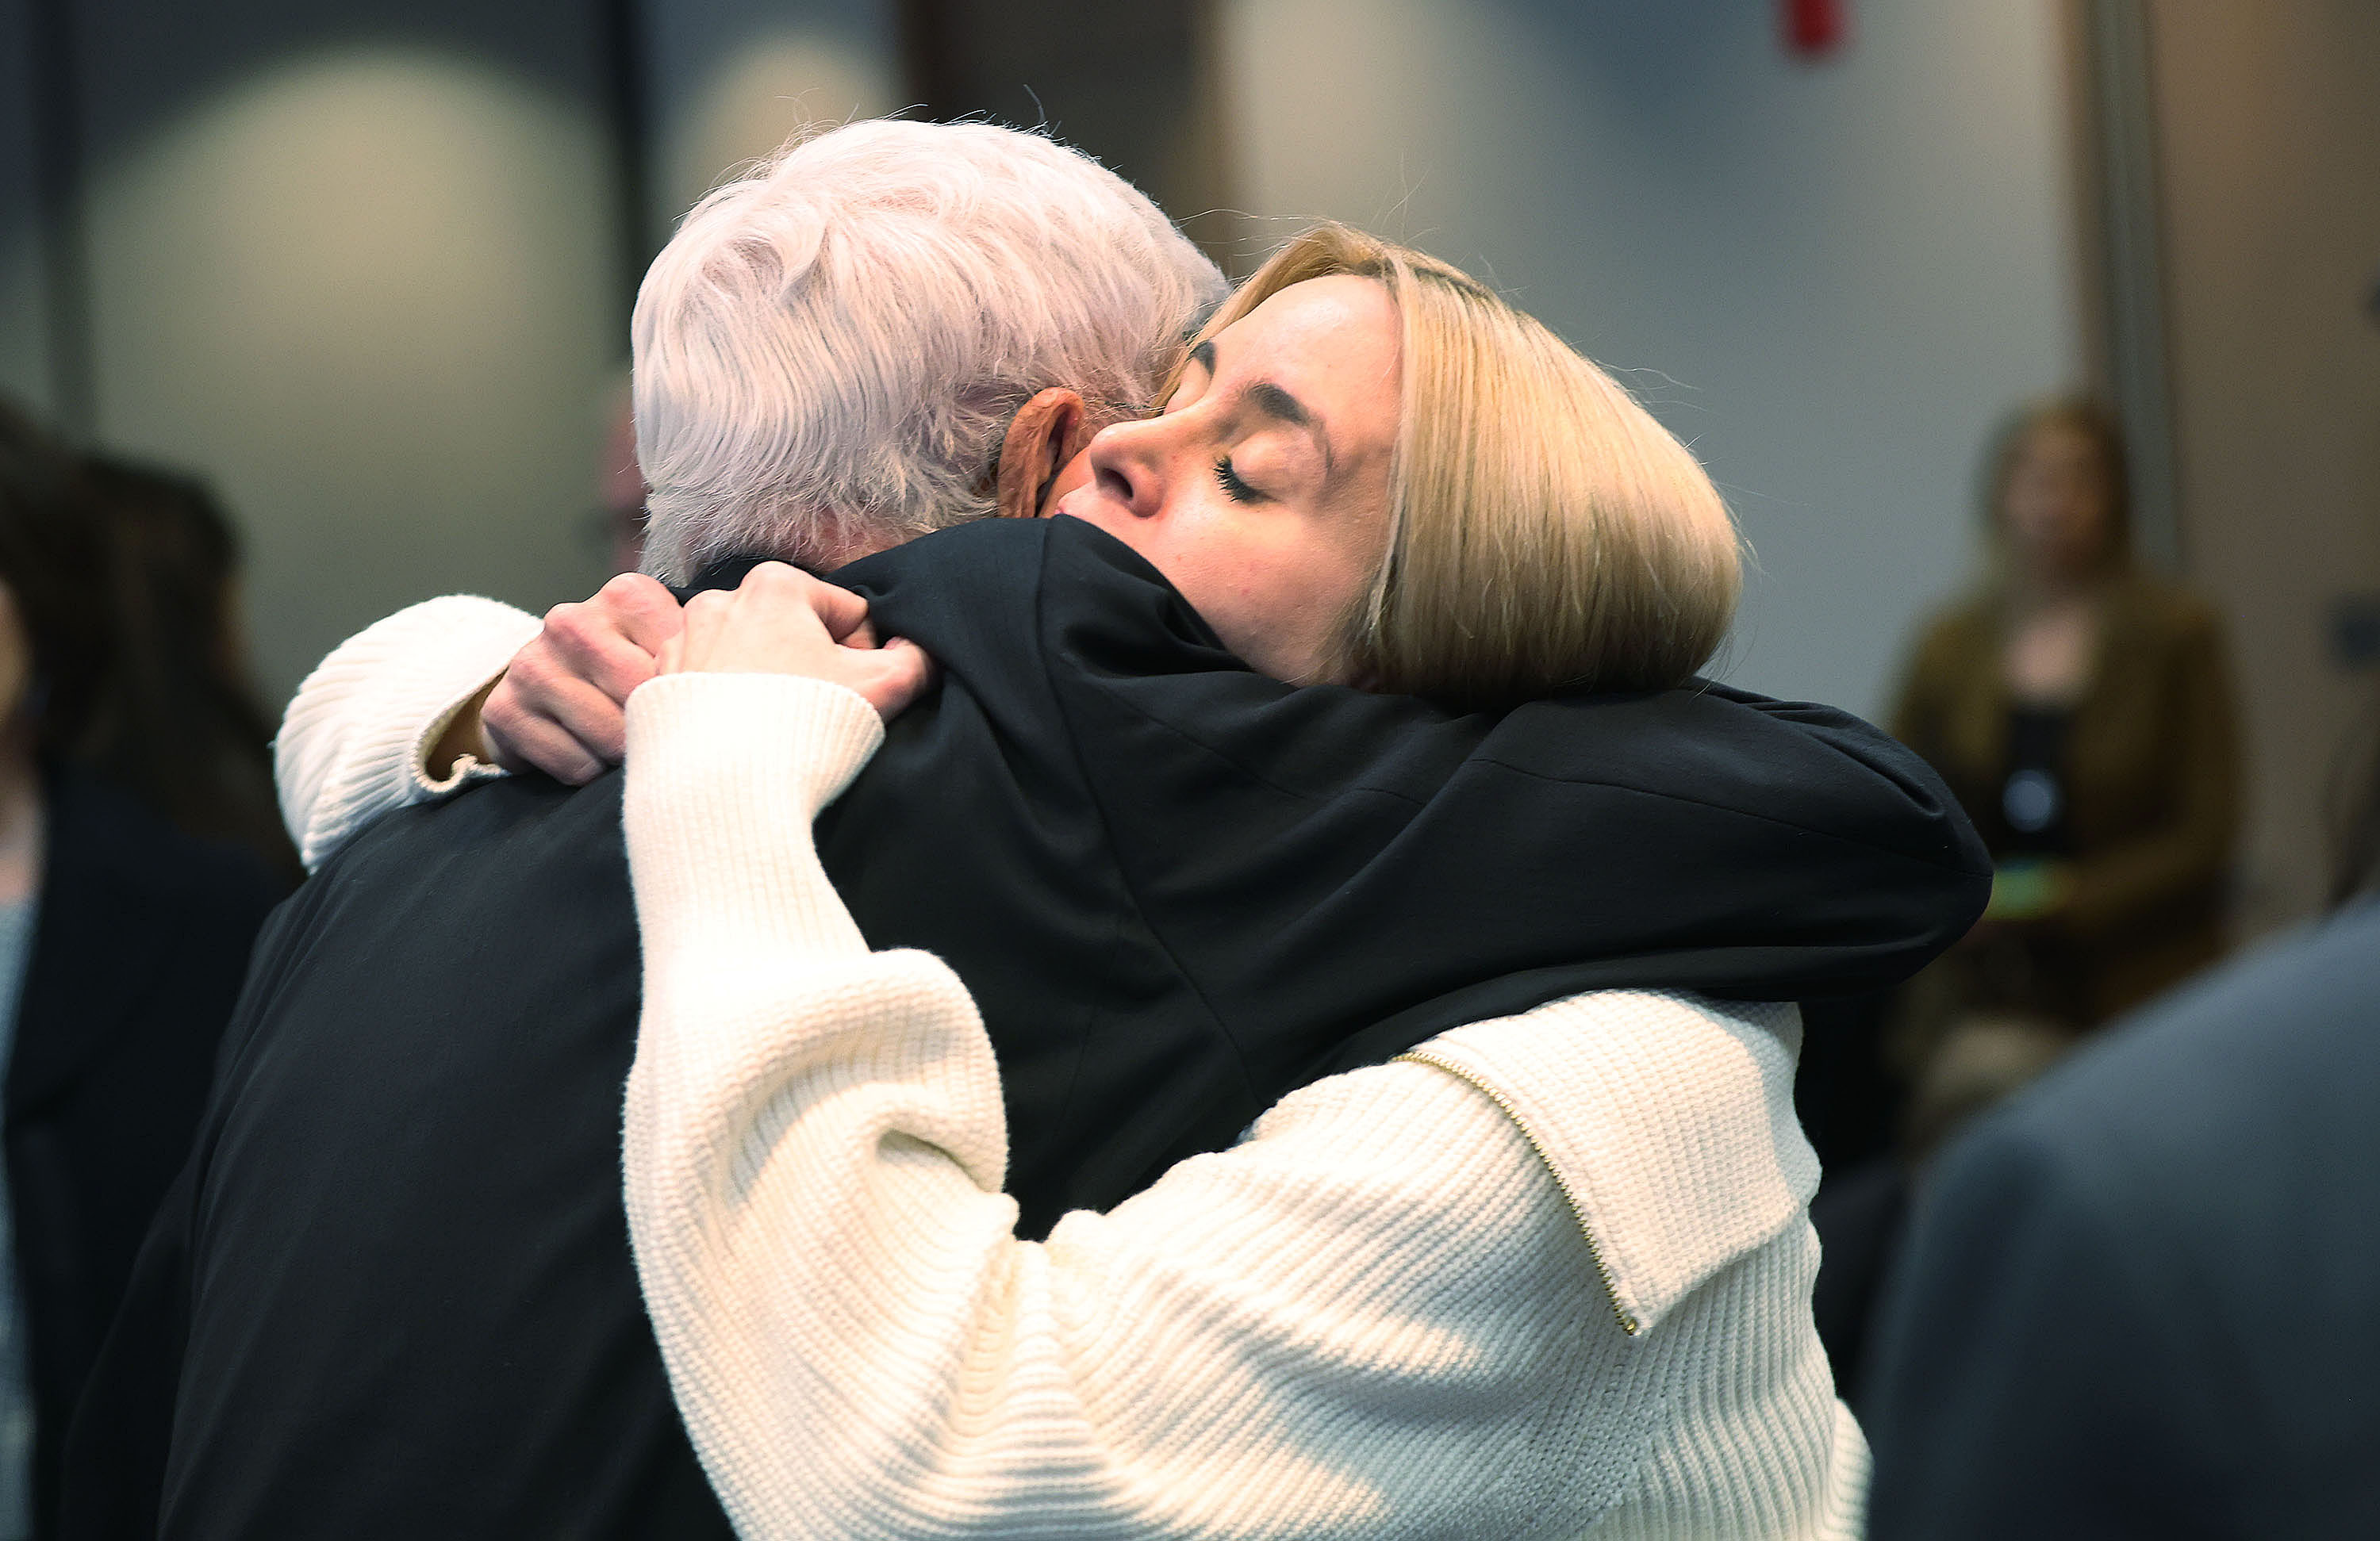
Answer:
(784, 622)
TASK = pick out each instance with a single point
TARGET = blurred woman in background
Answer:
(2083, 712)
(123, 944)
(179, 725)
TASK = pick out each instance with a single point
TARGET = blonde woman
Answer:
(1521, 528)
(1538, 1272)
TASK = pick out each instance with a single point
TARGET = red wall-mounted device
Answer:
(1814, 28)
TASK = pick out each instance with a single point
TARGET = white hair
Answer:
(831, 349)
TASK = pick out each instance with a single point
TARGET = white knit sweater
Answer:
(353, 741)
(1547, 1276)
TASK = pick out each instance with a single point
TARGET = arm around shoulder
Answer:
(353, 742)
(1375, 1316)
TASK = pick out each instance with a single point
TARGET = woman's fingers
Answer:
(896, 675)
(561, 706)
(842, 612)
(771, 625)
(542, 739)
(610, 641)
(781, 621)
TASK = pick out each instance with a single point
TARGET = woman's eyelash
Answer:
(1233, 487)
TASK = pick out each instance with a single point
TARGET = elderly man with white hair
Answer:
(899, 327)
(394, 1295)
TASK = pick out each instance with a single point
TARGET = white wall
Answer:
(373, 289)
(372, 294)
(2269, 146)
(731, 80)
(360, 266)
(1830, 278)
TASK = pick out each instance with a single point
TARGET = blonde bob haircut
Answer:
(1545, 533)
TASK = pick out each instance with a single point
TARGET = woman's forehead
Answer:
(1330, 345)
(1356, 311)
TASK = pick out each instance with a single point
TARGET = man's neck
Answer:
(819, 559)
(828, 556)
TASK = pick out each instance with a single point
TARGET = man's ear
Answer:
(1047, 431)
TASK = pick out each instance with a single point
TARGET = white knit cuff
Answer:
(468, 766)
(726, 772)
(353, 741)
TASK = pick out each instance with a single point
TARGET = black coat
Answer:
(1216, 889)
(2143, 1300)
(141, 941)
(401, 1300)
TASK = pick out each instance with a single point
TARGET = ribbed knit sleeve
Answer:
(353, 741)
(1377, 1316)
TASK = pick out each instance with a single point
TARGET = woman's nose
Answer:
(1128, 464)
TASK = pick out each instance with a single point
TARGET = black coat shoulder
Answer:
(1103, 818)
(408, 1181)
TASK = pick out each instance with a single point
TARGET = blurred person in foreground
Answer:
(123, 942)
(404, 1268)
(2143, 1299)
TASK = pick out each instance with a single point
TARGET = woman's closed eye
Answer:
(1233, 487)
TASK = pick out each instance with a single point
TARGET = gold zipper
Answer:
(1628, 1324)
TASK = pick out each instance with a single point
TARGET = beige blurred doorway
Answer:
(2267, 172)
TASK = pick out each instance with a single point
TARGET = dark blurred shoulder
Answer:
(2139, 1293)
(2263, 1073)
(109, 837)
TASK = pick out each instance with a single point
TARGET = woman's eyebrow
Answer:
(1273, 401)
(1279, 405)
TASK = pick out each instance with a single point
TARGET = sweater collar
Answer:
(1667, 1119)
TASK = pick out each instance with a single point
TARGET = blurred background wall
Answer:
(366, 266)
(24, 329)
(361, 265)
(726, 80)
(1827, 274)
(2268, 134)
